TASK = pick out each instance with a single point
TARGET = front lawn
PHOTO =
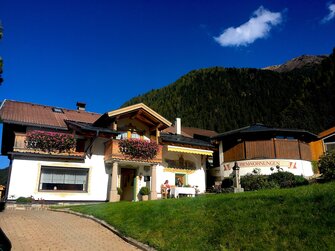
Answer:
(300, 218)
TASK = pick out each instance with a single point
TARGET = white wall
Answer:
(297, 167)
(25, 175)
(196, 178)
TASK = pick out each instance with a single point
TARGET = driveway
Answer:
(48, 230)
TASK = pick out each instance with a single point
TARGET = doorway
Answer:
(180, 179)
(128, 179)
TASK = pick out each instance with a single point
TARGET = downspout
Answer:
(274, 147)
(299, 149)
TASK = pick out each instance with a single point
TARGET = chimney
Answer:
(81, 106)
(178, 126)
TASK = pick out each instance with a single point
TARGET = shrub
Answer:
(24, 200)
(283, 179)
(256, 182)
(327, 165)
(227, 182)
(137, 148)
(119, 191)
(315, 167)
(300, 181)
(145, 191)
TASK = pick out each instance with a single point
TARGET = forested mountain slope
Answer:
(223, 99)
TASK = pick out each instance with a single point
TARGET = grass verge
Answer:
(301, 218)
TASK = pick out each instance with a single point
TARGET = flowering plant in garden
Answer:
(50, 141)
(138, 149)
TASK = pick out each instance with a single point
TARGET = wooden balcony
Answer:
(269, 149)
(112, 152)
(20, 147)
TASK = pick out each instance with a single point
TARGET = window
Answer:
(330, 147)
(63, 178)
(123, 135)
(285, 137)
(180, 179)
(135, 135)
(129, 134)
(329, 143)
(80, 145)
(57, 110)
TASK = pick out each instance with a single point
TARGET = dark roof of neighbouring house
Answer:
(260, 129)
(190, 136)
(25, 113)
(191, 131)
(183, 140)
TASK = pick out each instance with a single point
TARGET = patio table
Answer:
(175, 191)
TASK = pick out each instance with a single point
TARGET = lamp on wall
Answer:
(140, 176)
(147, 169)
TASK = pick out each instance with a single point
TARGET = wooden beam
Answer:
(145, 120)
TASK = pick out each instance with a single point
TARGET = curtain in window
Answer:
(63, 176)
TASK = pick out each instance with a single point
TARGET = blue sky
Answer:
(105, 52)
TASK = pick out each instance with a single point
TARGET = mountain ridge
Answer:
(222, 99)
(300, 62)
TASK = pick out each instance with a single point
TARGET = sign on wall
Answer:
(262, 163)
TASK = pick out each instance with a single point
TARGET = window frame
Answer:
(64, 169)
(332, 144)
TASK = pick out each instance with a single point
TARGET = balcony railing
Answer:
(20, 146)
(112, 152)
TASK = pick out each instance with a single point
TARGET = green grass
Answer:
(301, 218)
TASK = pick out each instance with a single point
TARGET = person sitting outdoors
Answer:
(166, 189)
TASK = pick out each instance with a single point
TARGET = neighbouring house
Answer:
(265, 149)
(186, 154)
(59, 154)
(325, 143)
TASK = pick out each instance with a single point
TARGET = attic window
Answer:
(58, 110)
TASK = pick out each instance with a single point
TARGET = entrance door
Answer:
(180, 179)
(127, 183)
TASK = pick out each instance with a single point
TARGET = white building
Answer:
(98, 167)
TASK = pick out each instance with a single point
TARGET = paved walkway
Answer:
(48, 230)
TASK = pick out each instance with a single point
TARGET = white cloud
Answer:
(331, 14)
(258, 26)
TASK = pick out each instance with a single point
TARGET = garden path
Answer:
(48, 230)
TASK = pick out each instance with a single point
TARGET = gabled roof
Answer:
(139, 111)
(258, 130)
(29, 114)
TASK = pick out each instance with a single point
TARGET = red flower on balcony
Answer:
(50, 141)
(138, 149)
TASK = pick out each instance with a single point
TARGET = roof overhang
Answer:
(263, 131)
(327, 133)
(21, 123)
(48, 156)
(86, 128)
